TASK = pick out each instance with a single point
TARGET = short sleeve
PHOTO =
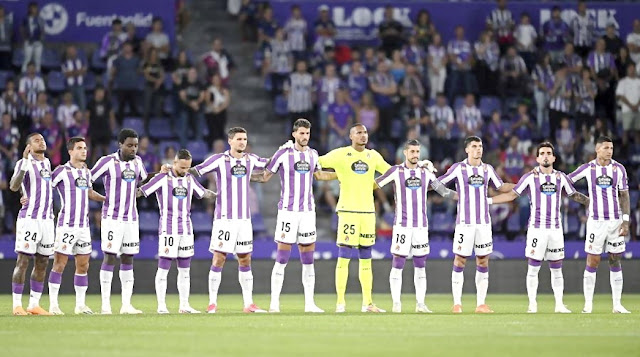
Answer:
(330, 159)
(198, 189)
(143, 169)
(387, 177)
(567, 185)
(623, 180)
(580, 173)
(56, 176)
(449, 175)
(494, 178)
(208, 165)
(276, 161)
(153, 185)
(100, 168)
(523, 184)
(258, 162)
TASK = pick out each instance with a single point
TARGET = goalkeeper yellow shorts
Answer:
(356, 229)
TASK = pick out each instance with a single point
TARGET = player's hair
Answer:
(235, 130)
(301, 123)
(603, 139)
(412, 142)
(471, 139)
(126, 133)
(71, 143)
(545, 144)
(31, 136)
(183, 154)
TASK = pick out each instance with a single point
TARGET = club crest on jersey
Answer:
(397, 247)
(166, 250)
(45, 174)
(413, 183)
(82, 183)
(604, 181)
(360, 167)
(476, 181)
(238, 171)
(302, 167)
(128, 175)
(548, 188)
(179, 192)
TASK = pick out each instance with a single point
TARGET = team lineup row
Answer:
(125, 179)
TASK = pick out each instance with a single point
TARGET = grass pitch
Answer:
(508, 332)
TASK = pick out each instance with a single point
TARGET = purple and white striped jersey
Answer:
(296, 170)
(604, 183)
(472, 183)
(545, 192)
(233, 176)
(73, 186)
(410, 191)
(174, 195)
(120, 179)
(37, 186)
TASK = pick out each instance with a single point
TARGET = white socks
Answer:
(106, 276)
(395, 283)
(277, 280)
(420, 283)
(215, 277)
(557, 284)
(482, 284)
(161, 287)
(532, 283)
(589, 285)
(184, 286)
(245, 277)
(308, 283)
(615, 279)
(126, 281)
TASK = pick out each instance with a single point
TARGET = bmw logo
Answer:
(55, 18)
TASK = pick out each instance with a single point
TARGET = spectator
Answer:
(437, 65)
(112, 43)
(460, 57)
(248, 20)
(327, 88)
(9, 139)
(66, 110)
(572, 61)
(9, 101)
(414, 54)
(497, 131)
(586, 92)
(219, 61)
(133, 38)
(370, 61)
(390, 32)
(565, 142)
(417, 116)
(543, 78)
(628, 96)
(353, 55)
(424, 30)
(603, 69)
(74, 69)
(80, 126)
(412, 84)
(41, 108)
(556, 33)
(356, 82)
(191, 117)
(6, 35)
(525, 37)
(523, 128)
(368, 115)
(486, 66)
(412, 134)
(266, 27)
(513, 74)
(101, 123)
(513, 160)
(217, 100)
(623, 60)
(397, 67)
(299, 90)
(613, 42)
(180, 68)
(469, 117)
(327, 56)
(33, 36)
(125, 76)
(278, 61)
(340, 120)
(153, 73)
(600, 129)
(157, 39)
(148, 156)
(560, 99)
(583, 27)
(169, 156)
(324, 28)
(296, 33)
(384, 90)
(633, 42)
(53, 136)
(29, 87)
(442, 121)
(3, 210)
(501, 22)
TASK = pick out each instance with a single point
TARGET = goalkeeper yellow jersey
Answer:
(355, 170)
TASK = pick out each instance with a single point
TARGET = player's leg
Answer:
(366, 239)
(395, 281)
(185, 252)
(594, 247)
(224, 235)
(17, 282)
(106, 277)
(342, 275)
(164, 264)
(55, 279)
(463, 240)
(130, 247)
(483, 246)
(245, 277)
(533, 270)
(420, 249)
(215, 277)
(81, 282)
(557, 285)
(38, 275)
(277, 275)
(534, 251)
(615, 246)
(308, 277)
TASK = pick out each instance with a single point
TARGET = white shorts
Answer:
(35, 236)
(604, 236)
(232, 236)
(73, 241)
(175, 246)
(410, 240)
(120, 237)
(469, 238)
(296, 227)
(547, 244)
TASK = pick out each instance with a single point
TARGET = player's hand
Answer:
(165, 168)
(428, 165)
(24, 200)
(27, 151)
(624, 229)
(287, 145)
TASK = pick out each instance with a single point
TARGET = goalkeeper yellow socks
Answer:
(342, 275)
(366, 281)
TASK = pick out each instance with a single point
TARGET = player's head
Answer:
(412, 151)
(237, 138)
(182, 162)
(545, 154)
(38, 145)
(473, 147)
(77, 148)
(604, 148)
(359, 135)
(301, 131)
(128, 143)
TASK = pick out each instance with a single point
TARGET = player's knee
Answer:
(109, 259)
(244, 260)
(593, 260)
(364, 252)
(459, 261)
(22, 262)
(82, 267)
(420, 262)
(41, 262)
(282, 256)
(219, 259)
(126, 259)
(482, 261)
(344, 252)
(184, 262)
(398, 262)
(615, 260)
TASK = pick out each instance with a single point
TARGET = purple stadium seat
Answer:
(50, 59)
(199, 150)
(149, 221)
(268, 86)
(4, 76)
(202, 222)
(18, 57)
(90, 81)
(458, 103)
(56, 82)
(280, 106)
(488, 105)
(168, 82)
(160, 129)
(97, 63)
(134, 123)
(164, 144)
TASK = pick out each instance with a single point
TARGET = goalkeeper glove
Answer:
(428, 165)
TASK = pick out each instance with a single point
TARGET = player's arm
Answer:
(151, 186)
(443, 191)
(94, 196)
(193, 172)
(514, 192)
(261, 175)
(18, 177)
(579, 173)
(580, 198)
(505, 197)
(325, 175)
(625, 206)
(208, 194)
(507, 187)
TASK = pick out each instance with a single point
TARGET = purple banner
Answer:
(357, 20)
(329, 251)
(89, 20)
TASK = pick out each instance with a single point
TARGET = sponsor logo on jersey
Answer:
(604, 182)
(476, 181)
(179, 192)
(548, 188)
(128, 175)
(360, 167)
(245, 243)
(362, 235)
(82, 183)
(413, 183)
(486, 245)
(45, 174)
(556, 250)
(189, 247)
(615, 244)
(305, 235)
(420, 246)
(302, 167)
(47, 245)
(83, 245)
(131, 245)
(239, 171)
